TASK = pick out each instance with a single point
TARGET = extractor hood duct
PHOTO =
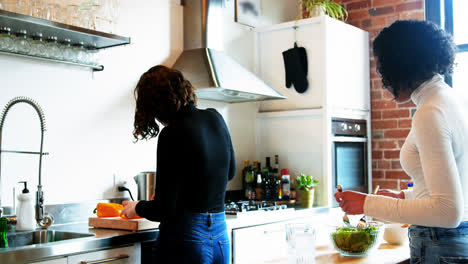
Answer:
(214, 74)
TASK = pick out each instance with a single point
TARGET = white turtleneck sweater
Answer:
(435, 156)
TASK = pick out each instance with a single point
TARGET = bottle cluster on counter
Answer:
(267, 183)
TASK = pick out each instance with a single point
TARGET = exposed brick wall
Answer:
(391, 122)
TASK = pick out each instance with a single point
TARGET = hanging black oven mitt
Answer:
(295, 66)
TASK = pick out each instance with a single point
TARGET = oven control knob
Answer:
(344, 127)
(357, 128)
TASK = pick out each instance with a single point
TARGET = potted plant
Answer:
(324, 7)
(306, 186)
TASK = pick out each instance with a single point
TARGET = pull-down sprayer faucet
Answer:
(42, 219)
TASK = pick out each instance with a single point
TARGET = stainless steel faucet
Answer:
(42, 219)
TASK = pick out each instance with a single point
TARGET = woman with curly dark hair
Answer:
(411, 57)
(195, 160)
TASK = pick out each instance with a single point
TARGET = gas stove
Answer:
(243, 207)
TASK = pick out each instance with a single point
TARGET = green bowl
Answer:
(357, 242)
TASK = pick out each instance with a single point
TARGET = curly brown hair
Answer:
(159, 94)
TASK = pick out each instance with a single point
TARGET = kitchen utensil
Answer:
(362, 221)
(146, 182)
(345, 217)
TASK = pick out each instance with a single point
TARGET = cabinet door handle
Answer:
(105, 260)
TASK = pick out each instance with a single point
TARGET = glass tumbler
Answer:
(300, 238)
(38, 47)
(6, 41)
(68, 53)
(22, 42)
(53, 49)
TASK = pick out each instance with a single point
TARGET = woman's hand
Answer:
(392, 193)
(351, 203)
(129, 209)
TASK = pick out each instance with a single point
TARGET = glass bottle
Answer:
(22, 42)
(80, 51)
(6, 41)
(3, 233)
(37, 46)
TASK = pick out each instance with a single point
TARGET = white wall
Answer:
(89, 116)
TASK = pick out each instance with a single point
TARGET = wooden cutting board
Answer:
(124, 224)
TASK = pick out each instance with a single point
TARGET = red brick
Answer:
(358, 14)
(376, 115)
(381, 11)
(376, 95)
(366, 23)
(396, 133)
(396, 175)
(383, 105)
(417, 15)
(357, 5)
(354, 22)
(404, 123)
(392, 154)
(386, 184)
(396, 165)
(387, 95)
(377, 134)
(374, 144)
(409, 6)
(387, 144)
(383, 164)
(377, 84)
(376, 154)
(377, 174)
(391, 19)
(377, 3)
(379, 22)
(396, 113)
(384, 124)
(374, 164)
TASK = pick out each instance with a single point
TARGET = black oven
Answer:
(349, 155)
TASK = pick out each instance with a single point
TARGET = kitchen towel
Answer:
(295, 66)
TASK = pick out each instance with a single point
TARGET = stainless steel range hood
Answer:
(215, 75)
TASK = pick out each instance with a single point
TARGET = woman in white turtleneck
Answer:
(411, 56)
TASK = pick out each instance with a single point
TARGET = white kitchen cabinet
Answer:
(259, 244)
(338, 64)
(123, 255)
(53, 261)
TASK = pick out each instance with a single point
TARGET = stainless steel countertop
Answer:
(103, 239)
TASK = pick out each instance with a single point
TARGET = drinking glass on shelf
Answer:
(80, 51)
(6, 41)
(37, 46)
(300, 238)
(22, 42)
(53, 49)
(67, 51)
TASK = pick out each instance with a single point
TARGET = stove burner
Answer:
(248, 206)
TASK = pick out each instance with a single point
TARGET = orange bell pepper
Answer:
(108, 209)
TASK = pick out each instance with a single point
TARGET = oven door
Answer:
(349, 164)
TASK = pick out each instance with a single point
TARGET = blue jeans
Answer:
(196, 238)
(439, 245)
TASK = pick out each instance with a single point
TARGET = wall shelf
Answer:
(34, 25)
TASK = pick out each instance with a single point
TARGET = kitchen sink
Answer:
(41, 237)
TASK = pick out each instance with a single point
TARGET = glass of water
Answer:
(300, 238)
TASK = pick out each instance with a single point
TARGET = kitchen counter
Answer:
(385, 254)
(103, 239)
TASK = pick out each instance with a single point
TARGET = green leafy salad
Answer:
(355, 240)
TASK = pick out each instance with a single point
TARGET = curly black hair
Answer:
(409, 52)
(159, 95)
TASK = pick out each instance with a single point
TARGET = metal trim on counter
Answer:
(105, 260)
(33, 25)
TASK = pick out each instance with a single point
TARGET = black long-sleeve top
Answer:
(195, 160)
